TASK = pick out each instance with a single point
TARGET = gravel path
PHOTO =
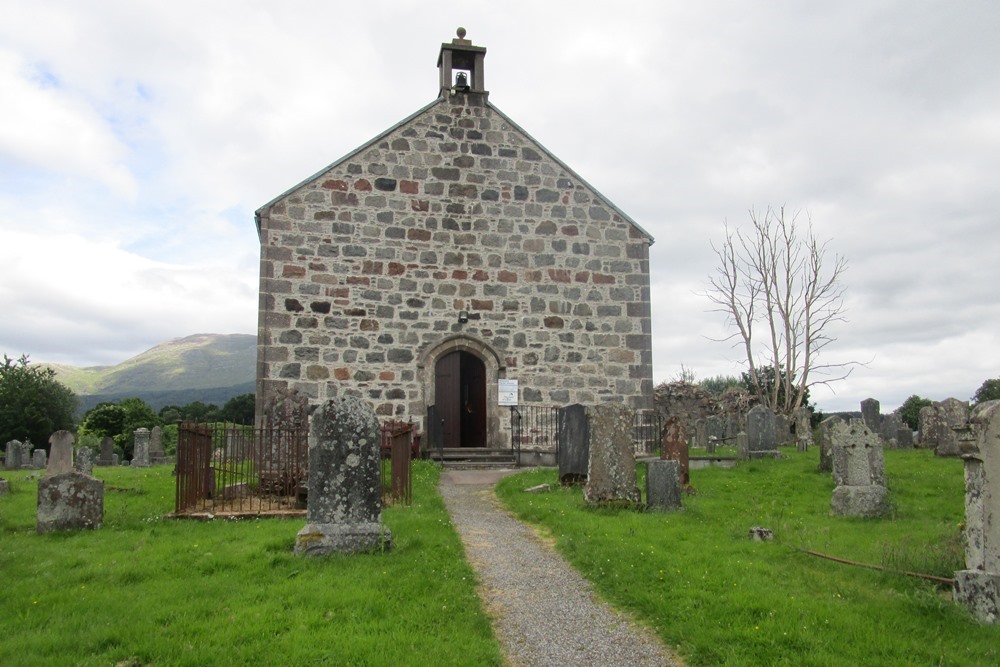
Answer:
(544, 613)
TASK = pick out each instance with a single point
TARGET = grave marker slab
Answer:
(107, 452)
(84, 462)
(13, 455)
(344, 513)
(761, 441)
(61, 453)
(675, 447)
(140, 456)
(663, 485)
(611, 465)
(858, 471)
(69, 501)
(574, 444)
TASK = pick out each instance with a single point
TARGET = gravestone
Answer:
(140, 456)
(928, 427)
(742, 446)
(69, 501)
(574, 444)
(889, 428)
(803, 429)
(871, 413)
(156, 454)
(61, 449)
(858, 471)
(13, 456)
(826, 443)
(663, 485)
(107, 452)
(782, 430)
(26, 449)
(344, 513)
(953, 416)
(675, 447)
(978, 585)
(39, 458)
(84, 462)
(4, 486)
(611, 474)
(904, 438)
(761, 442)
(700, 434)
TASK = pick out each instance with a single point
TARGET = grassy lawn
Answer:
(721, 599)
(144, 590)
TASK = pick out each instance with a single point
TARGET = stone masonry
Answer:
(454, 229)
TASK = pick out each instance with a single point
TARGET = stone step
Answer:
(467, 458)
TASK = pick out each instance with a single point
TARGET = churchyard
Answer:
(145, 590)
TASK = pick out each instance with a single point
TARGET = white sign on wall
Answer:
(507, 392)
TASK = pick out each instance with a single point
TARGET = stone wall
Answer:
(366, 267)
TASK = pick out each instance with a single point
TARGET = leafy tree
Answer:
(909, 411)
(239, 409)
(33, 404)
(171, 414)
(988, 391)
(200, 412)
(720, 383)
(781, 292)
(119, 421)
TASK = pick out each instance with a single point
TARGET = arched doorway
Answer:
(460, 398)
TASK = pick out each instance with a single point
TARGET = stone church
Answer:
(448, 254)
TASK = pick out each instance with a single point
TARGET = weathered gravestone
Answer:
(904, 438)
(761, 442)
(344, 513)
(858, 471)
(107, 456)
(84, 461)
(156, 454)
(953, 417)
(140, 456)
(891, 423)
(67, 500)
(742, 446)
(611, 474)
(701, 434)
(574, 444)
(978, 586)
(928, 427)
(826, 443)
(61, 460)
(663, 485)
(4, 486)
(782, 430)
(26, 451)
(871, 413)
(803, 429)
(675, 447)
(286, 457)
(39, 458)
(13, 455)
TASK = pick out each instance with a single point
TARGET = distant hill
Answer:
(211, 368)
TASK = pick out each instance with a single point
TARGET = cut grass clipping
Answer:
(722, 599)
(144, 590)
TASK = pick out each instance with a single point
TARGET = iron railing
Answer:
(399, 447)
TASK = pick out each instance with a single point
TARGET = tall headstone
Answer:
(344, 513)
(663, 485)
(978, 585)
(761, 442)
(871, 413)
(928, 426)
(140, 456)
(84, 461)
(107, 452)
(69, 501)
(891, 423)
(61, 453)
(701, 434)
(953, 417)
(286, 414)
(26, 451)
(675, 447)
(826, 443)
(574, 444)
(803, 429)
(13, 455)
(156, 454)
(611, 465)
(782, 430)
(858, 471)
(904, 438)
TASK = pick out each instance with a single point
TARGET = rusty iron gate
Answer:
(399, 447)
(231, 469)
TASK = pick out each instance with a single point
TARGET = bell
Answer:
(461, 80)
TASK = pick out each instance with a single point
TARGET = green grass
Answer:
(144, 590)
(721, 599)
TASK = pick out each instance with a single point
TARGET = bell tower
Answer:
(461, 67)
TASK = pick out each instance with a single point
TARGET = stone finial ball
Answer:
(461, 33)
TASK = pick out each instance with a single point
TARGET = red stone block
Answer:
(293, 271)
(387, 376)
(482, 304)
(418, 235)
(372, 268)
(571, 230)
(458, 274)
(363, 184)
(480, 275)
(342, 374)
(559, 275)
(603, 279)
(359, 280)
(507, 277)
(420, 205)
(409, 187)
(396, 269)
(335, 185)
(582, 276)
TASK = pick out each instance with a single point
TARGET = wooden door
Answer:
(460, 399)
(447, 397)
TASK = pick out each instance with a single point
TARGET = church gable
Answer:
(453, 224)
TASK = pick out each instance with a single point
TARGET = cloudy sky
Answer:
(137, 138)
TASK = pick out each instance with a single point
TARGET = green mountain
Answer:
(211, 368)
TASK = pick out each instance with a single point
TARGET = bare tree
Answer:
(782, 292)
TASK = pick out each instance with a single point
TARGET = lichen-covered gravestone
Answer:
(107, 456)
(826, 443)
(871, 413)
(574, 444)
(858, 471)
(803, 429)
(67, 500)
(13, 457)
(978, 586)
(344, 513)
(39, 458)
(156, 454)
(928, 426)
(611, 474)
(953, 417)
(84, 461)
(675, 447)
